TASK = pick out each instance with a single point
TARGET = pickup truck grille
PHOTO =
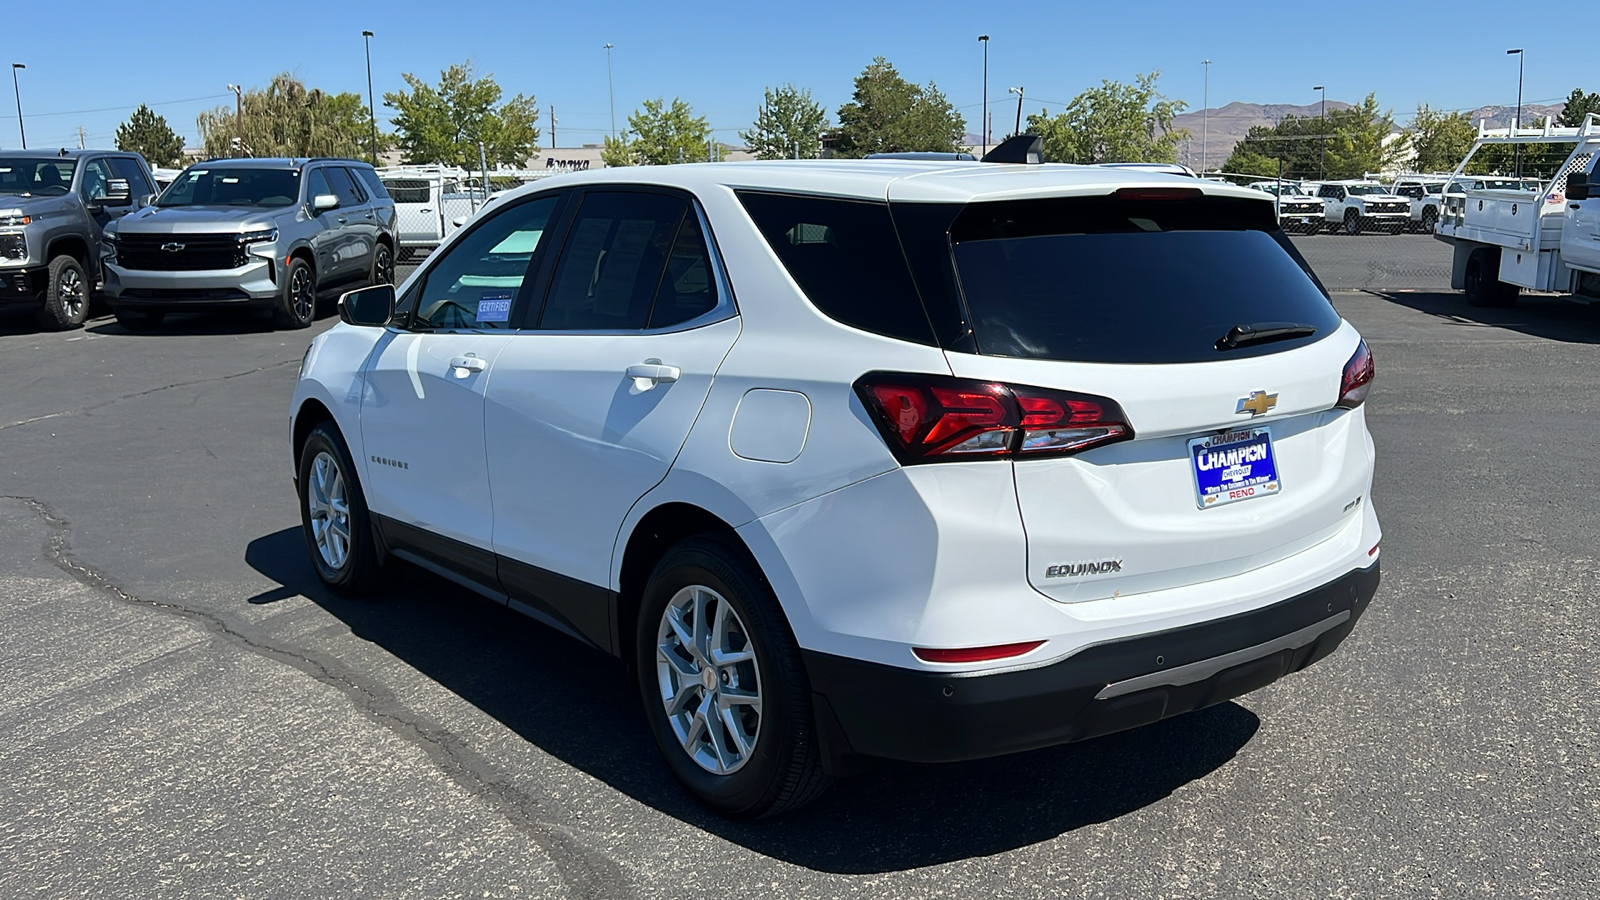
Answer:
(1388, 207)
(1288, 208)
(180, 252)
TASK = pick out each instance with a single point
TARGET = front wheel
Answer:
(333, 515)
(66, 297)
(724, 689)
(1430, 218)
(297, 305)
(1352, 222)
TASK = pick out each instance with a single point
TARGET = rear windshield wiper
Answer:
(1262, 333)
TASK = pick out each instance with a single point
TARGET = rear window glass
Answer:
(407, 191)
(1131, 281)
(845, 256)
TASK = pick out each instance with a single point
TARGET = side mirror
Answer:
(117, 193)
(459, 221)
(373, 306)
(1577, 185)
(321, 203)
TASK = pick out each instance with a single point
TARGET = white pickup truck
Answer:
(1545, 239)
(1299, 210)
(1354, 206)
(428, 200)
(1426, 193)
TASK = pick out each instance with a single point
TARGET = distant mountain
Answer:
(1533, 114)
(1224, 127)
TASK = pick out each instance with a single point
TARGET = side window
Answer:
(479, 279)
(95, 177)
(316, 185)
(129, 170)
(689, 288)
(613, 261)
(1326, 192)
(339, 180)
(370, 180)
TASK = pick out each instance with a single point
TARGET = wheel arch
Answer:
(658, 531)
(73, 245)
(307, 416)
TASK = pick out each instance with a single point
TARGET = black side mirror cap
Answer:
(370, 307)
(118, 193)
(1577, 185)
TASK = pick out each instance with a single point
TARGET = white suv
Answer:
(914, 460)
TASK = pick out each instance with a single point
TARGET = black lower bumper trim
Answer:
(886, 711)
(23, 285)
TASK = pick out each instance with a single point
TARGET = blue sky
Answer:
(719, 56)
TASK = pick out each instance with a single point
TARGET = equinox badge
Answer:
(1257, 403)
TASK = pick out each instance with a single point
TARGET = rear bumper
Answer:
(870, 709)
(23, 284)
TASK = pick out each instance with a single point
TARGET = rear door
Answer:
(1239, 457)
(1580, 234)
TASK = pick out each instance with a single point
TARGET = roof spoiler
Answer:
(1024, 149)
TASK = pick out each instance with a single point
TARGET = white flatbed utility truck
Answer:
(1507, 241)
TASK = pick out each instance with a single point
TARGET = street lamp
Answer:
(1018, 92)
(1205, 112)
(18, 91)
(612, 90)
(1514, 127)
(982, 126)
(372, 110)
(1322, 139)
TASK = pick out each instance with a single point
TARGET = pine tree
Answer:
(149, 135)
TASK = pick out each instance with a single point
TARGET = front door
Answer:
(591, 402)
(326, 234)
(422, 416)
(1580, 234)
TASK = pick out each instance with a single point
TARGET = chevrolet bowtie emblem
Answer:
(1257, 403)
(172, 248)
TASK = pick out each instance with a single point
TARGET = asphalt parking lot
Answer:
(187, 713)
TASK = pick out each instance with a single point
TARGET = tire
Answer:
(139, 319)
(382, 265)
(772, 765)
(297, 305)
(1430, 219)
(66, 297)
(1482, 283)
(1352, 222)
(343, 550)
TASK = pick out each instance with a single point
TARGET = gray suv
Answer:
(53, 207)
(251, 234)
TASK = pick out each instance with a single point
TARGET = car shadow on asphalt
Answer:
(1545, 316)
(579, 705)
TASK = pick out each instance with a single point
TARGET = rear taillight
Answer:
(936, 418)
(1357, 379)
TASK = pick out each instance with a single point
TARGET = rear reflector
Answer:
(1357, 378)
(975, 654)
(936, 418)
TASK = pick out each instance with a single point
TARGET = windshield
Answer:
(35, 177)
(264, 188)
(1367, 190)
(1128, 281)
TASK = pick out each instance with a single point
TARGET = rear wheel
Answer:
(139, 319)
(66, 297)
(382, 265)
(1482, 283)
(298, 304)
(724, 689)
(1430, 218)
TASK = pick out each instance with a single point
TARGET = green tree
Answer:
(443, 123)
(1358, 140)
(1114, 122)
(1440, 140)
(149, 135)
(659, 135)
(789, 122)
(1579, 105)
(1247, 159)
(288, 119)
(891, 115)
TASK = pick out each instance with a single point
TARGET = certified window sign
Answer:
(1234, 466)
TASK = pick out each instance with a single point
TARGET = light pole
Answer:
(18, 91)
(372, 109)
(1514, 127)
(984, 40)
(1322, 140)
(1205, 113)
(611, 89)
(1018, 92)
(238, 117)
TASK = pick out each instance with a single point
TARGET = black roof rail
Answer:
(1024, 149)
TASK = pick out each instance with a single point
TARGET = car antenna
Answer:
(1024, 149)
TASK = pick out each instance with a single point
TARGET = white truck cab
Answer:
(1426, 194)
(1299, 210)
(1355, 206)
(1527, 234)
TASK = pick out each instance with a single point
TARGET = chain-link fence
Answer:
(432, 201)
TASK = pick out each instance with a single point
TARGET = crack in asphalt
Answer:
(145, 393)
(585, 872)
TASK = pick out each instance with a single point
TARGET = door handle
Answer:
(342, 220)
(470, 363)
(651, 373)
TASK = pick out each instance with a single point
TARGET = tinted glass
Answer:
(479, 280)
(343, 186)
(317, 185)
(200, 186)
(1108, 281)
(35, 177)
(371, 181)
(125, 168)
(96, 178)
(612, 264)
(845, 256)
(689, 289)
(408, 191)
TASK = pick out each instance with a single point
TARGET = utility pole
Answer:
(984, 39)
(1018, 91)
(18, 91)
(1322, 139)
(552, 126)
(1516, 123)
(80, 137)
(238, 117)
(372, 109)
(1205, 114)
(611, 90)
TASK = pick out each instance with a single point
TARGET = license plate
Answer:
(1234, 466)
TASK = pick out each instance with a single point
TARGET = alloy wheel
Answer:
(69, 287)
(301, 296)
(384, 269)
(329, 505)
(710, 683)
